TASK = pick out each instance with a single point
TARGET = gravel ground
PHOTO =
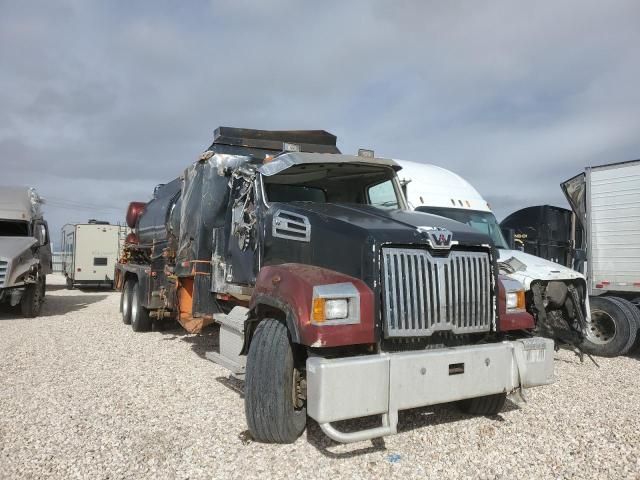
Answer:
(82, 396)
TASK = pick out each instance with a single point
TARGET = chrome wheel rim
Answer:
(602, 328)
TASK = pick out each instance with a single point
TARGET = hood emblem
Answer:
(438, 238)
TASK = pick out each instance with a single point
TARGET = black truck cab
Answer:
(322, 281)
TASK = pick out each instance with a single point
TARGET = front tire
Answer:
(140, 319)
(612, 330)
(32, 298)
(487, 405)
(634, 313)
(272, 385)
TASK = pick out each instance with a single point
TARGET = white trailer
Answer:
(606, 201)
(90, 252)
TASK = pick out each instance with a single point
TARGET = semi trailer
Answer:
(333, 300)
(556, 296)
(606, 203)
(90, 252)
(25, 249)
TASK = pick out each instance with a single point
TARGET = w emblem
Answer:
(437, 237)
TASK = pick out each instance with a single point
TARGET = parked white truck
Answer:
(90, 252)
(25, 250)
(606, 202)
(557, 296)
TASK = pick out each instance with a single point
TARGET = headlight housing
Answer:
(515, 301)
(335, 304)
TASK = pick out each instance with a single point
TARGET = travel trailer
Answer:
(90, 252)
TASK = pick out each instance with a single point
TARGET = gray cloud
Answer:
(101, 101)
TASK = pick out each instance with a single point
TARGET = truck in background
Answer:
(332, 298)
(606, 203)
(90, 252)
(545, 231)
(25, 250)
(557, 296)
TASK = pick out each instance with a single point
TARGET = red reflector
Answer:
(636, 284)
(606, 282)
(599, 285)
(79, 269)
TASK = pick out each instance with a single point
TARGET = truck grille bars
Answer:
(3, 272)
(423, 294)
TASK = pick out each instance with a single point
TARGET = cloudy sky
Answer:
(100, 101)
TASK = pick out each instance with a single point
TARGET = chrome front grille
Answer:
(3, 272)
(423, 293)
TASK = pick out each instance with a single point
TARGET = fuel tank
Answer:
(161, 215)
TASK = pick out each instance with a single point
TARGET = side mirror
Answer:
(41, 233)
(579, 259)
(510, 237)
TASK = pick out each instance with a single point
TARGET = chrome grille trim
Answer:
(4, 265)
(423, 293)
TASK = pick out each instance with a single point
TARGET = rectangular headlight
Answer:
(515, 300)
(335, 304)
(336, 308)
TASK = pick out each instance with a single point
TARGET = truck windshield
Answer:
(14, 228)
(336, 183)
(485, 222)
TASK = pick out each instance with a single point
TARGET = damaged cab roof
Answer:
(287, 160)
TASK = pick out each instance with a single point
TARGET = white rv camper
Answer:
(90, 252)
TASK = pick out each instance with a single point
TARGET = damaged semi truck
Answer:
(25, 250)
(555, 295)
(334, 301)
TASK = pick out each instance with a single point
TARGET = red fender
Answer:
(289, 287)
(511, 321)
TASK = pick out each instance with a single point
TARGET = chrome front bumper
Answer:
(352, 387)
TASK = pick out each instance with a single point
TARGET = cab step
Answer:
(231, 341)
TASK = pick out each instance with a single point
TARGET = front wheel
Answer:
(612, 329)
(274, 388)
(487, 405)
(32, 298)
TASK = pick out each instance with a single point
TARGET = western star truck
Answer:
(333, 300)
(555, 295)
(25, 250)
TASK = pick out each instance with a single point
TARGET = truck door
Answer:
(242, 245)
